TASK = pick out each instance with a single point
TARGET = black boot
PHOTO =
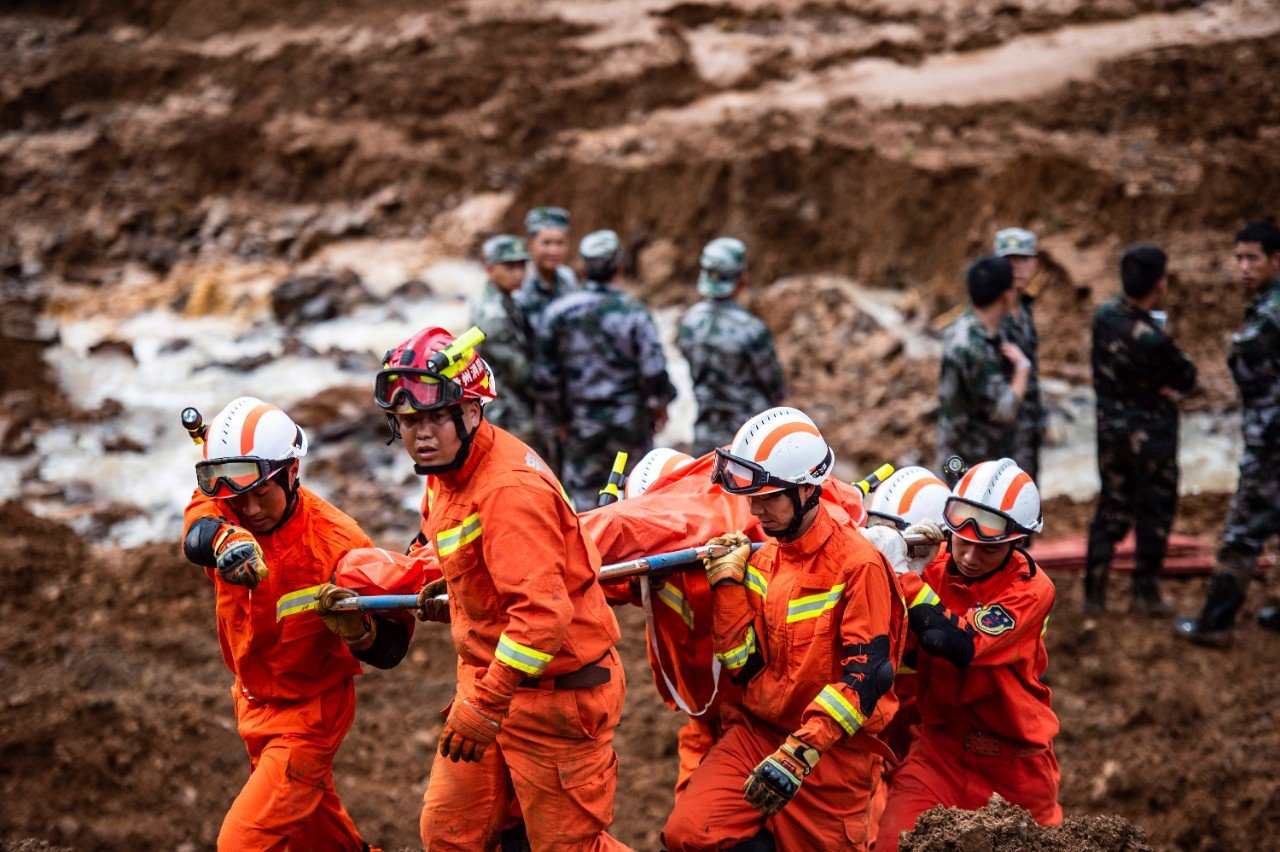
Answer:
(1146, 593)
(1213, 627)
(1095, 588)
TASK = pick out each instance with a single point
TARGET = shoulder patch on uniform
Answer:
(993, 620)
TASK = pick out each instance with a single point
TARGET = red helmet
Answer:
(433, 369)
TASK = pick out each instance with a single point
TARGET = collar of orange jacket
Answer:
(812, 539)
(480, 445)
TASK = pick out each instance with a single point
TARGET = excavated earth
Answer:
(858, 146)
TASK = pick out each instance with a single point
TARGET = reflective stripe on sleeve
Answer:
(925, 597)
(521, 657)
(736, 658)
(299, 601)
(838, 707)
(448, 541)
(812, 606)
(756, 582)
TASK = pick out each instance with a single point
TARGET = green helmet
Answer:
(723, 262)
(504, 248)
(601, 253)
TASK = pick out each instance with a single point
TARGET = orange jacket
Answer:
(817, 630)
(523, 577)
(297, 657)
(1000, 691)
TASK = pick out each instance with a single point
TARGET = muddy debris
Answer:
(1008, 828)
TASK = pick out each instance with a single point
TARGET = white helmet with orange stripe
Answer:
(247, 443)
(995, 501)
(776, 450)
(656, 464)
(910, 495)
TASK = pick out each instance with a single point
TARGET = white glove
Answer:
(891, 545)
(920, 555)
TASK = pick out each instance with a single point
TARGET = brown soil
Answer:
(167, 137)
(1001, 825)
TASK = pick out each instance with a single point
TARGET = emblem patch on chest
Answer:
(993, 620)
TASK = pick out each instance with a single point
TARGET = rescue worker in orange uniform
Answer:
(260, 535)
(812, 626)
(540, 686)
(982, 611)
(909, 504)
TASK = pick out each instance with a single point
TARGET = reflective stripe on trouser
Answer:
(289, 799)
(829, 812)
(939, 771)
(554, 755)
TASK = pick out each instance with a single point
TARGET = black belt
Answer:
(588, 675)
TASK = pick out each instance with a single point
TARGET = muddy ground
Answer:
(144, 146)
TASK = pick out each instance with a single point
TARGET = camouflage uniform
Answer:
(532, 299)
(735, 369)
(601, 364)
(1133, 361)
(977, 407)
(1019, 328)
(1255, 365)
(509, 348)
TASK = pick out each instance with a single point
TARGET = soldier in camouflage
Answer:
(1019, 247)
(1138, 373)
(731, 355)
(1254, 358)
(546, 280)
(602, 368)
(984, 378)
(509, 342)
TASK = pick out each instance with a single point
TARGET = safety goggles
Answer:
(237, 476)
(421, 390)
(739, 476)
(981, 522)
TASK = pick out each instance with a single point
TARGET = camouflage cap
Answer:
(546, 217)
(601, 253)
(503, 248)
(1018, 242)
(723, 261)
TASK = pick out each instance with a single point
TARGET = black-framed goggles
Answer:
(235, 476)
(738, 476)
(421, 390)
(982, 522)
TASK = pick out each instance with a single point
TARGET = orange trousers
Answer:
(940, 771)
(554, 755)
(693, 741)
(289, 800)
(829, 811)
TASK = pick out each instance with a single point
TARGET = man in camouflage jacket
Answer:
(983, 378)
(1254, 358)
(731, 354)
(1019, 247)
(1138, 372)
(603, 372)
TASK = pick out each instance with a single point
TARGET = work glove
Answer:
(430, 609)
(355, 627)
(467, 732)
(777, 778)
(731, 566)
(890, 543)
(237, 557)
(920, 555)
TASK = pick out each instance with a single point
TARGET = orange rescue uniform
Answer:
(816, 630)
(987, 727)
(524, 595)
(294, 692)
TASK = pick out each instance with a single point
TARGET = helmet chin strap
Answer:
(460, 457)
(290, 498)
(788, 533)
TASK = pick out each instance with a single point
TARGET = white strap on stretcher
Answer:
(652, 633)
